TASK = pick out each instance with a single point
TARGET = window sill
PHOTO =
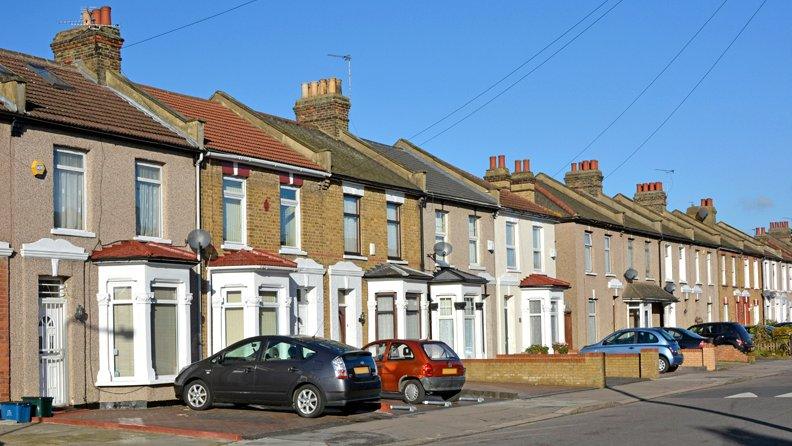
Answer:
(137, 382)
(235, 247)
(144, 238)
(354, 257)
(292, 250)
(476, 268)
(591, 274)
(512, 270)
(398, 262)
(72, 232)
(610, 275)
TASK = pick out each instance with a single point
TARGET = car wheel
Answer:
(308, 401)
(198, 396)
(673, 368)
(662, 365)
(413, 392)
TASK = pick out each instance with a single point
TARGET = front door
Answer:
(342, 310)
(52, 342)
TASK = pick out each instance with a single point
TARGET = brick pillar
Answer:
(650, 359)
(708, 358)
(5, 341)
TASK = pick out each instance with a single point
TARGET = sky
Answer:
(415, 61)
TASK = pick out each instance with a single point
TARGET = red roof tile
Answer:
(511, 200)
(86, 105)
(136, 250)
(226, 131)
(543, 281)
(253, 257)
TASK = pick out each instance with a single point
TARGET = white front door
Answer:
(52, 342)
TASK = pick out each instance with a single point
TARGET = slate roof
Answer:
(438, 181)
(543, 281)
(83, 103)
(453, 275)
(515, 202)
(226, 131)
(395, 271)
(647, 292)
(346, 160)
(253, 257)
(136, 250)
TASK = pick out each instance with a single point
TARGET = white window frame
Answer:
(179, 328)
(441, 233)
(84, 187)
(591, 318)
(233, 305)
(271, 305)
(297, 217)
(511, 246)
(631, 253)
(531, 316)
(588, 257)
(111, 328)
(161, 200)
(607, 255)
(756, 274)
(648, 259)
(537, 245)
(398, 221)
(709, 268)
(450, 317)
(682, 265)
(723, 269)
(668, 262)
(233, 244)
(697, 267)
(734, 271)
(746, 273)
(473, 239)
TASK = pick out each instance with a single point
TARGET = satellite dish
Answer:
(670, 287)
(198, 239)
(442, 249)
(630, 274)
(702, 214)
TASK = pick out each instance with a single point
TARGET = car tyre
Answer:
(198, 395)
(308, 401)
(663, 365)
(673, 368)
(413, 392)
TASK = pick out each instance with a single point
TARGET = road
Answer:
(756, 412)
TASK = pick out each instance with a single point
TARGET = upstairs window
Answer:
(511, 245)
(289, 216)
(587, 247)
(746, 274)
(69, 189)
(734, 271)
(648, 259)
(473, 239)
(234, 212)
(669, 264)
(351, 224)
(723, 270)
(630, 253)
(682, 265)
(607, 248)
(709, 268)
(148, 199)
(441, 231)
(538, 252)
(394, 230)
(697, 267)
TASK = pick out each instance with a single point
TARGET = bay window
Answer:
(148, 199)
(445, 316)
(470, 330)
(123, 333)
(289, 217)
(164, 335)
(69, 189)
(386, 322)
(233, 317)
(268, 313)
(535, 321)
(234, 212)
(413, 316)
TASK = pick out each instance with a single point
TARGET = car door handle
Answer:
(243, 370)
(293, 369)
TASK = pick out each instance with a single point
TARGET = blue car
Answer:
(633, 340)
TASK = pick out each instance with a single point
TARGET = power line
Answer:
(516, 69)
(682, 102)
(645, 89)
(510, 86)
(190, 24)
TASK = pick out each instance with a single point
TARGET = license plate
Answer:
(361, 370)
(449, 371)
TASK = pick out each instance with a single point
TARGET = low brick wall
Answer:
(727, 353)
(586, 370)
(650, 363)
(622, 365)
(700, 357)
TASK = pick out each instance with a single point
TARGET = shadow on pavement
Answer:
(735, 435)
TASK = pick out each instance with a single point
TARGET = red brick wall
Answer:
(699, 357)
(587, 370)
(5, 342)
(727, 353)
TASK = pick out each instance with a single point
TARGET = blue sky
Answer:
(415, 61)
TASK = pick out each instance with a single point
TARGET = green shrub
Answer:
(537, 350)
(561, 348)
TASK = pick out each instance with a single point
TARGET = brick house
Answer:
(777, 271)
(96, 293)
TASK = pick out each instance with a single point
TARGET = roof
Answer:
(438, 181)
(346, 160)
(647, 292)
(515, 202)
(226, 131)
(137, 250)
(83, 103)
(543, 281)
(253, 257)
(453, 275)
(395, 271)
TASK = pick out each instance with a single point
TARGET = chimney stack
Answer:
(705, 212)
(651, 196)
(780, 230)
(585, 176)
(498, 175)
(323, 106)
(523, 183)
(97, 43)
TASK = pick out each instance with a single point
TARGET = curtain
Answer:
(385, 326)
(535, 310)
(232, 220)
(69, 191)
(554, 321)
(393, 240)
(164, 345)
(148, 201)
(351, 234)
(412, 319)
(268, 321)
(469, 337)
(447, 331)
(234, 325)
(288, 225)
(123, 340)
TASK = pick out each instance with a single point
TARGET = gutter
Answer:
(270, 164)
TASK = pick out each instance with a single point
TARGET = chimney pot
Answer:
(304, 90)
(104, 16)
(659, 185)
(758, 231)
(332, 87)
(585, 165)
(493, 162)
(574, 167)
(323, 86)
(526, 165)
(501, 161)
(517, 166)
(314, 88)
(96, 17)
(594, 164)
(638, 188)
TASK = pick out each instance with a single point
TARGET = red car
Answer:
(415, 368)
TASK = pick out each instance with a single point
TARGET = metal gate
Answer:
(52, 342)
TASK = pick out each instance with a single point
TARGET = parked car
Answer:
(633, 340)
(304, 372)
(782, 324)
(726, 333)
(416, 368)
(686, 338)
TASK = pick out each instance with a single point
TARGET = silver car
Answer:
(633, 340)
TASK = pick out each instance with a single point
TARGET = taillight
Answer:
(739, 341)
(340, 368)
(701, 344)
(427, 370)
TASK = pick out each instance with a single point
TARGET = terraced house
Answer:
(97, 293)
(777, 271)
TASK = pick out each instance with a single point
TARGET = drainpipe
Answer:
(199, 296)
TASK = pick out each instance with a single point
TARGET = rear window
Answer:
(741, 330)
(338, 348)
(666, 335)
(438, 351)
